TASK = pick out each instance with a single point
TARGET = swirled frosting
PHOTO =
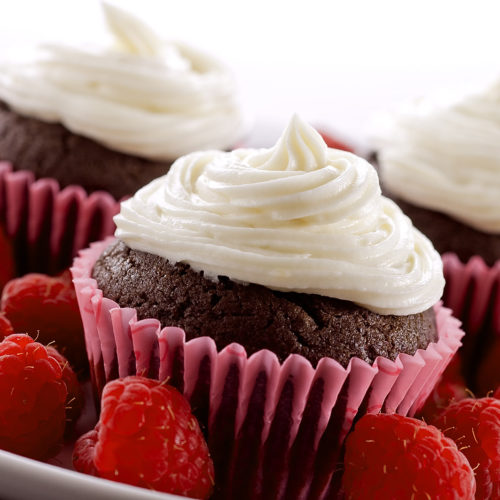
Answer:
(297, 217)
(447, 157)
(139, 95)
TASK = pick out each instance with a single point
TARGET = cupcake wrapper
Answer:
(274, 430)
(473, 294)
(47, 225)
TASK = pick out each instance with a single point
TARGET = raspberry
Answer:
(392, 457)
(32, 398)
(451, 387)
(74, 401)
(443, 394)
(5, 326)
(8, 267)
(335, 143)
(46, 308)
(147, 437)
(83, 453)
(474, 424)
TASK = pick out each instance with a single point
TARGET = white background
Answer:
(335, 63)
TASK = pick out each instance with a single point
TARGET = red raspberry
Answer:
(442, 395)
(335, 143)
(147, 437)
(74, 401)
(393, 457)
(45, 307)
(8, 267)
(84, 451)
(474, 424)
(5, 327)
(451, 387)
(32, 398)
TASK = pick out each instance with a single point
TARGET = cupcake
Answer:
(282, 293)
(109, 117)
(115, 116)
(441, 163)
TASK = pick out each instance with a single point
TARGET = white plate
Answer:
(25, 479)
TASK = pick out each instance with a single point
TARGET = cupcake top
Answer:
(446, 157)
(296, 217)
(138, 95)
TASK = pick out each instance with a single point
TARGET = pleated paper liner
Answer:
(274, 430)
(473, 294)
(46, 225)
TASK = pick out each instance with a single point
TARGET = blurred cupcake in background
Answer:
(107, 117)
(440, 161)
(115, 116)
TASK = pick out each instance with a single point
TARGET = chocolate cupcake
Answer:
(296, 248)
(441, 163)
(82, 127)
(305, 298)
(113, 117)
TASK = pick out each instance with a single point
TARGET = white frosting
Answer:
(140, 95)
(297, 217)
(447, 158)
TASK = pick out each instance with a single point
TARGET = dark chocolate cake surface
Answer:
(255, 316)
(51, 150)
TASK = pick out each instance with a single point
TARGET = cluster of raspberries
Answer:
(40, 396)
(146, 435)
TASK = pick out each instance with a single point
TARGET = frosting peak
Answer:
(297, 217)
(138, 95)
(299, 148)
(133, 35)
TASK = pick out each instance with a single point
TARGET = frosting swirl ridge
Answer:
(139, 95)
(296, 217)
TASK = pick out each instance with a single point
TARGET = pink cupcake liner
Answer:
(47, 225)
(274, 430)
(473, 294)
